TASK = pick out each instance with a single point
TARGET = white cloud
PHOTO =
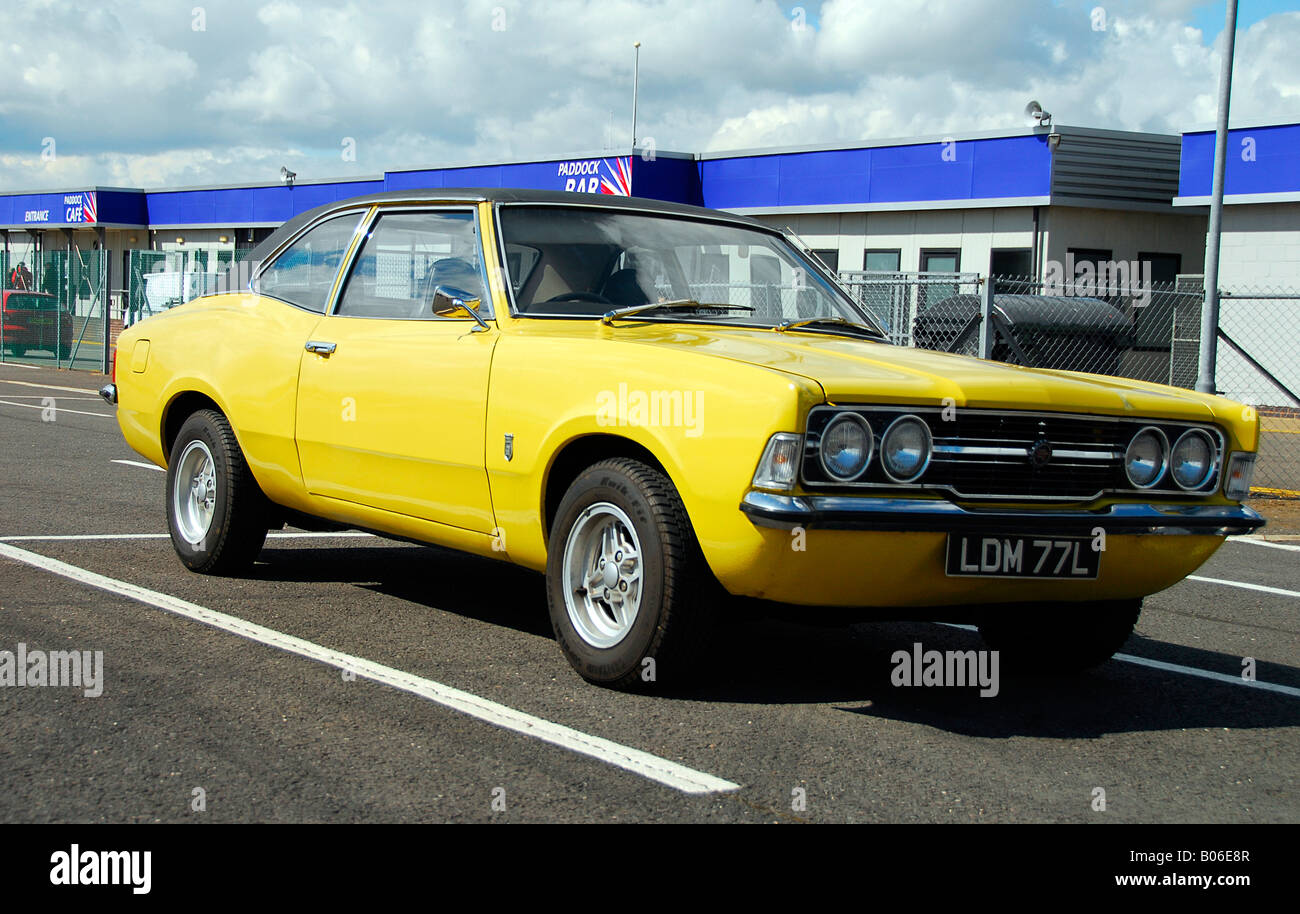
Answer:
(134, 95)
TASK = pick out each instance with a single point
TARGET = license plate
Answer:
(976, 555)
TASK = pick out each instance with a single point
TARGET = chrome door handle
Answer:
(321, 348)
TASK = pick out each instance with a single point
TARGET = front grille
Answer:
(987, 453)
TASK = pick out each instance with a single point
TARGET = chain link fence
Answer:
(158, 280)
(55, 309)
(1118, 325)
(896, 299)
(58, 311)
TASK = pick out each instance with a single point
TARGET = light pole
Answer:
(1205, 378)
(636, 73)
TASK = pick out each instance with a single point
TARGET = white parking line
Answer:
(1250, 541)
(663, 771)
(75, 390)
(86, 537)
(1245, 586)
(1179, 668)
(56, 408)
(141, 464)
(60, 399)
(1209, 674)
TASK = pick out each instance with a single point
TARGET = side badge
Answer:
(510, 447)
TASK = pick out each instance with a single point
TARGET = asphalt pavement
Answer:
(351, 679)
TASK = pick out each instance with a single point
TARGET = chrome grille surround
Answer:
(986, 454)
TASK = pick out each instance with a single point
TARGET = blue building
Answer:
(1004, 202)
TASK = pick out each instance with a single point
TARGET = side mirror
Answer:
(451, 302)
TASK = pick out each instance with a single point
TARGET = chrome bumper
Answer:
(840, 512)
(109, 393)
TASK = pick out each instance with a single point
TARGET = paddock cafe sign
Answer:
(69, 209)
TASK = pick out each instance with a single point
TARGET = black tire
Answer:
(1060, 637)
(664, 644)
(239, 512)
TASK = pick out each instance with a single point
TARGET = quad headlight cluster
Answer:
(847, 446)
(1002, 454)
(1188, 464)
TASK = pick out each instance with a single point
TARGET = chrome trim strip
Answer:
(836, 512)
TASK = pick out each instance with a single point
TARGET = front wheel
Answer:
(216, 512)
(629, 592)
(1060, 637)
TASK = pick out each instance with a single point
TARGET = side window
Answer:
(304, 273)
(408, 255)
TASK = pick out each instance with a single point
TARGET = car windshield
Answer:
(586, 262)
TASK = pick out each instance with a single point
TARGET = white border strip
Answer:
(75, 537)
(670, 774)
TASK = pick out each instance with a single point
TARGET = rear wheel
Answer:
(217, 514)
(630, 594)
(1060, 637)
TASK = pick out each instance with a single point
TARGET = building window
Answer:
(947, 261)
(882, 261)
(830, 258)
(1012, 269)
(1164, 267)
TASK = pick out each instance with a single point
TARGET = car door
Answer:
(392, 395)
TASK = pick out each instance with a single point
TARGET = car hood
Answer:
(853, 370)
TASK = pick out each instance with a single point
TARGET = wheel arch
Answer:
(179, 408)
(579, 453)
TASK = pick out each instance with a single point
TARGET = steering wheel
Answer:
(581, 296)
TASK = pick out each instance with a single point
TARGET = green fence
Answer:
(66, 307)
(158, 280)
(56, 308)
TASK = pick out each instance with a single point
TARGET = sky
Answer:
(150, 93)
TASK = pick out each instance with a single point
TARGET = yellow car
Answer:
(657, 406)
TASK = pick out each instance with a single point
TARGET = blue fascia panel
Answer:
(1260, 160)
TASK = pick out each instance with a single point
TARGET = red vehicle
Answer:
(34, 320)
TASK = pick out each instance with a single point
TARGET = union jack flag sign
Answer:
(617, 176)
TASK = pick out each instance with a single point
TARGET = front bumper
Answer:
(840, 512)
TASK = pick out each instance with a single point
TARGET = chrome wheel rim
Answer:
(194, 493)
(602, 575)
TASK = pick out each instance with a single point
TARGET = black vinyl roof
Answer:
(494, 195)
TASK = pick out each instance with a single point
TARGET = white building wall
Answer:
(974, 232)
(1260, 252)
(1260, 246)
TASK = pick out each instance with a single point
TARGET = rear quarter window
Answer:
(303, 274)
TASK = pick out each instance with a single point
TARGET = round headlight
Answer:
(1144, 461)
(905, 449)
(1192, 459)
(846, 447)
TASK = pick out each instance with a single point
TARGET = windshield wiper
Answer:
(680, 304)
(832, 321)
